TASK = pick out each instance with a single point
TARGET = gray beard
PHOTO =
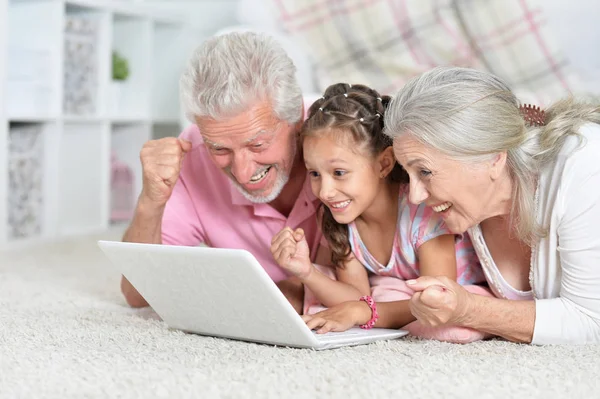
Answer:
(280, 182)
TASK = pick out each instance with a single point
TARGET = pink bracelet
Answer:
(374, 315)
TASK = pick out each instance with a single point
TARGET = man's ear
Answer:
(498, 165)
(387, 161)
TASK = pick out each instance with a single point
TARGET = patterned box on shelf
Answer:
(81, 65)
(121, 186)
(25, 179)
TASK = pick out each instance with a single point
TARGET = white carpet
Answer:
(66, 332)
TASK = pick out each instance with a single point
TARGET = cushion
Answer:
(383, 43)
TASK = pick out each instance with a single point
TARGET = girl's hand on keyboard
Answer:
(290, 250)
(339, 318)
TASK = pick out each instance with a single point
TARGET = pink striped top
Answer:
(416, 225)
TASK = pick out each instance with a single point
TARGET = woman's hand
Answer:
(339, 318)
(439, 301)
(291, 251)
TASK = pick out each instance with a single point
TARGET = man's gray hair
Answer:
(471, 116)
(230, 73)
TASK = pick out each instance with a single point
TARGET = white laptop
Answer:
(223, 293)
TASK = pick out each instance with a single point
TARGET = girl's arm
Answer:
(291, 251)
(353, 281)
(437, 257)
(354, 274)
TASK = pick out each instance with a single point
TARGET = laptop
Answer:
(223, 293)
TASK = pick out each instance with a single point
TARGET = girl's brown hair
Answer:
(352, 112)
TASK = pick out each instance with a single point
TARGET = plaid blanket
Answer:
(383, 43)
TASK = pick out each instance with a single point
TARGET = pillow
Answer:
(385, 43)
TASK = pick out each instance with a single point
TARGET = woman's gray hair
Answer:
(229, 73)
(472, 116)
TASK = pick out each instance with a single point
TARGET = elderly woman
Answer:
(524, 184)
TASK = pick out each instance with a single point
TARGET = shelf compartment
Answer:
(84, 33)
(83, 184)
(165, 129)
(169, 54)
(30, 146)
(33, 59)
(131, 39)
(127, 140)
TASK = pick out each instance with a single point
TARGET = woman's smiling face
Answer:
(463, 193)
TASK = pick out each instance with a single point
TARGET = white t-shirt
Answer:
(565, 265)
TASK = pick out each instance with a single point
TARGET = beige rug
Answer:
(65, 332)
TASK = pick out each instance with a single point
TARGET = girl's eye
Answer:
(312, 173)
(339, 173)
(425, 173)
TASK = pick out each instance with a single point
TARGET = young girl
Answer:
(377, 238)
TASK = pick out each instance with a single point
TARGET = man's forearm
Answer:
(330, 292)
(146, 225)
(513, 320)
(145, 228)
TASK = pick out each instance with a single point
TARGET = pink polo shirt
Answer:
(206, 208)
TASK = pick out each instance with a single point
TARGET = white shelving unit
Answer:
(62, 118)
(3, 124)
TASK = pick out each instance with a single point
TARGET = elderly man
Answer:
(235, 177)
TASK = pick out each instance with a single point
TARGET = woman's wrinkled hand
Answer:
(439, 301)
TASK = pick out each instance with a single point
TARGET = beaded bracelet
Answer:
(369, 324)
